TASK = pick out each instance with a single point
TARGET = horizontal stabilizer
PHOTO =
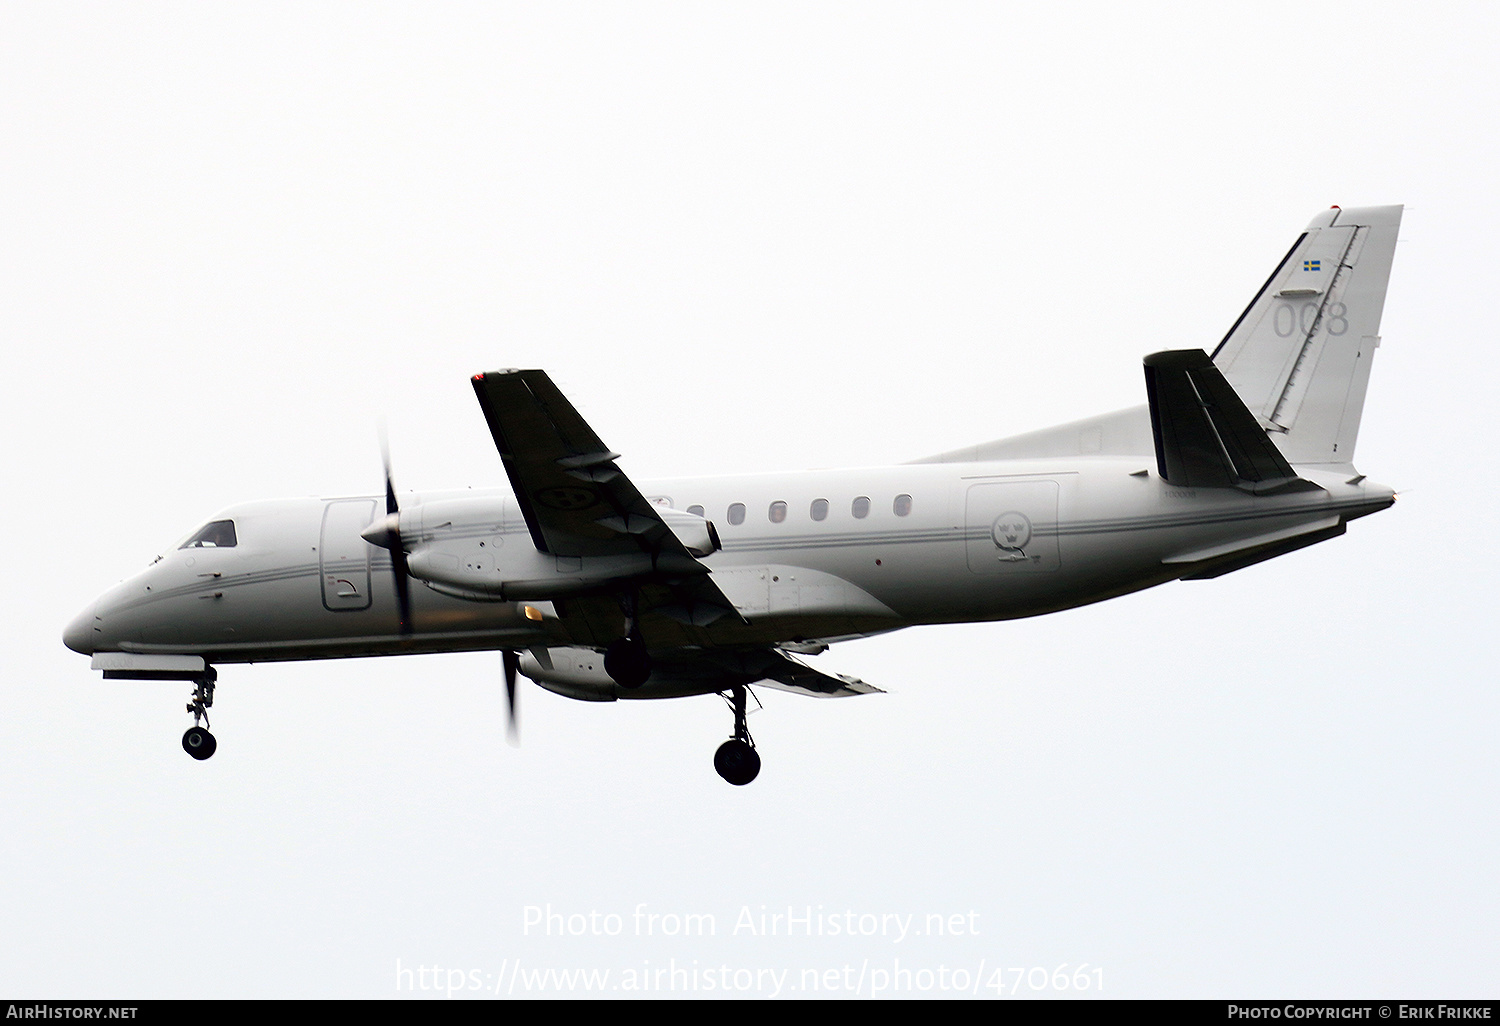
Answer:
(1215, 553)
(1205, 436)
(1241, 558)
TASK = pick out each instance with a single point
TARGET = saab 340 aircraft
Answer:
(600, 589)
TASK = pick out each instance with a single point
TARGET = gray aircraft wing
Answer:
(574, 497)
(768, 667)
(788, 673)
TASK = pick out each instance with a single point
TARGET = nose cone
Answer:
(79, 635)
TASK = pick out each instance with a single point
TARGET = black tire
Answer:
(737, 762)
(627, 663)
(199, 743)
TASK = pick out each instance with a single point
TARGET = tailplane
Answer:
(1205, 437)
(1299, 356)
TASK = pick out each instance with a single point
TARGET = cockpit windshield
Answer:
(217, 535)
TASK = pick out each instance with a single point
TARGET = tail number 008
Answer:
(1288, 319)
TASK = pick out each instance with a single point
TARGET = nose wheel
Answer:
(198, 743)
(196, 740)
(737, 760)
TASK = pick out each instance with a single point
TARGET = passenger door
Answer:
(343, 556)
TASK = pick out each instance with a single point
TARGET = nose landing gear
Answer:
(197, 741)
(737, 760)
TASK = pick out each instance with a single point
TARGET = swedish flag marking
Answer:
(1312, 265)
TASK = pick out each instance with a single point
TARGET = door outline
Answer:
(343, 556)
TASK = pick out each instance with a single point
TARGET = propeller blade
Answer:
(390, 535)
(512, 726)
(403, 586)
(385, 459)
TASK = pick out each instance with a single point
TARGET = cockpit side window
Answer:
(217, 535)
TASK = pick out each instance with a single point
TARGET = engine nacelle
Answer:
(459, 547)
(575, 672)
(570, 672)
(697, 534)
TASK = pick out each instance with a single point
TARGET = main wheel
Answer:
(198, 743)
(737, 762)
(627, 663)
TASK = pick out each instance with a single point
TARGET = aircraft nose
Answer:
(79, 635)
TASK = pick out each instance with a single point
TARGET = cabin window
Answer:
(696, 511)
(737, 513)
(819, 510)
(860, 507)
(217, 535)
(902, 506)
(777, 512)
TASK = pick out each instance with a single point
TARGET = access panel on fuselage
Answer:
(344, 556)
(1010, 526)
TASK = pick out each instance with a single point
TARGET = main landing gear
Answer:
(626, 660)
(736, 760)
(197, 741)
(629, 665)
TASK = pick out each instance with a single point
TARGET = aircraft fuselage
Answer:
(894, 547)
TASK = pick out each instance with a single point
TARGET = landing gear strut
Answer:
(736, 760)
(197, 741)
(626, 660)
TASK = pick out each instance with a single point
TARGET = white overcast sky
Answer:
(740, 237)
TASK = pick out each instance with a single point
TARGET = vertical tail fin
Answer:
(1300, 354)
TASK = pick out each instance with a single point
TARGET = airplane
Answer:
(599, 589)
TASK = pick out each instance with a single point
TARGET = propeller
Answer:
(512, 662)
(386, 532)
